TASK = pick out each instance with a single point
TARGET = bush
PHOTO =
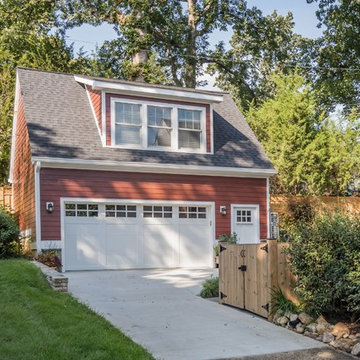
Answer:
(230, 239)
(325, 258)
(280, 303)
(210, 288)
(10, 245)
(50, 258)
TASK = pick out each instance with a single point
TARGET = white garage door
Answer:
(123, 236)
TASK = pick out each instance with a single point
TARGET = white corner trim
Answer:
(103, 117)
(37, 206)
(94, 114)
(211, 129)
(268, 206)
(14, 127)
(106, 165)
(152, 91)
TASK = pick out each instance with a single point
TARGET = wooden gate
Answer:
(247, 273)
(243, 277)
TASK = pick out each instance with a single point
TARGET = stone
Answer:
(305, 318)
(277, 315)
(300, 328)
(294, 323)
(293, 317)
(321, 320)
(311, 327)
(282, 320)
(321, 328)
(328, 338)
(357, 335)
(310, 334)
(352, 337)
(343, 344)
(339, 330)
(356, 350)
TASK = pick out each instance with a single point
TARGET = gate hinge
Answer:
(265, 248)
(221, 248)
(266, 307)
(242, 267)
(222, 295)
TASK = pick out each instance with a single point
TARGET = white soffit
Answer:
(142, 90)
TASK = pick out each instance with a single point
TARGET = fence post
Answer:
(272, 269)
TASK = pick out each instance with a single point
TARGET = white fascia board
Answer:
(152, 168)
(152, 91)
(14, 125)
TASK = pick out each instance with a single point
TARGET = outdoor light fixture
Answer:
(223, 210)
(50, 207)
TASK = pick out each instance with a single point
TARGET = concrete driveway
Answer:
(161, 310)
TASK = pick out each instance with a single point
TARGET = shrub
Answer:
(49, 258)
(10, 245)
(280, 303)
(325, 258)
(210, 288)
(230, 239)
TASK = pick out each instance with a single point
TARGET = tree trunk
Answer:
(190, 67)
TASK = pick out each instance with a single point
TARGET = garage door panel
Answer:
(195, 247)
(122, 248)
(85, 247)
(160, 243)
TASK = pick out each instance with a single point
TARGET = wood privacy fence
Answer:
(5, 197)
(248, 273)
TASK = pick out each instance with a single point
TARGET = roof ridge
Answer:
(45, 71)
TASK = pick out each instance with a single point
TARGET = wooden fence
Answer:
(5, 197)
(248, 273)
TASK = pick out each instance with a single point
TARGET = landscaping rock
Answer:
(322, 320)
(311, 327)
(356, 350)
(293, 317)
(321, 328)
(282, 320)
(294, 323)
(339, 330)
(277, 315)
(300, 328)
(305, 318)
(342, 344)
(310, 334)
(327, 338)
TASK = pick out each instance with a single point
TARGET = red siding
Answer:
(108, 114)
(56, 183)
(23, 175)
(95, 97)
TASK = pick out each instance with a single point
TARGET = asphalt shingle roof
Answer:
(61, 125)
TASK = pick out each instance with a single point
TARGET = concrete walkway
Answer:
(160, 310)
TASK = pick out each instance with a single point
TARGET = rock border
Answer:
(57, 281)
(338, 336)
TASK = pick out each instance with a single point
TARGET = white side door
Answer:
(245, 222)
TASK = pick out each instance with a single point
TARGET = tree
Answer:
(338, 59)
(28, 40)
(286, 125)
(260, 45)
(173, 33)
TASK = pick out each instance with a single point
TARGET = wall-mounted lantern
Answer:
(50, 207)
(223, 210)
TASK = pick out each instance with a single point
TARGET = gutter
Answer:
(37, 206)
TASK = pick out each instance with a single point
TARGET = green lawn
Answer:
(37, 323)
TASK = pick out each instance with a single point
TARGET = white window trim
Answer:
(174, 126)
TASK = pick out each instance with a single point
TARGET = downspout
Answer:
(268, 206)
(37, 206)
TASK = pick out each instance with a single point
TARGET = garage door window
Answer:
(192, 212)
(120, 211)
(81, 210)
(243, 217)
(157, 211)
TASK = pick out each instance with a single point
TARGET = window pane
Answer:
(127, 113)
(70, 206)
(131, 207)
(70, 213)
(131, 214)
(147, 208)
(159, 116)
(81, 213)
(201, 209)
(168, 215)
(147, 214)
(121, 207)
(158, 208)
(93, 207)
(202, 216)
(110, 214)
(93, 213)
(189, 119)
(127, 134)
(121, 214)
(167, 208)
(109, 207)
(189, 139)
(159, 137)
(82, 206)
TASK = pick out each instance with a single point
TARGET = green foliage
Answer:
(50, 258)
(279, 303)
(325, 258)
(210, 288)
(230, 239)
(10, 245)
(217, 250)
(38, 323)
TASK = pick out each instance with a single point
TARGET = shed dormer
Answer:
(142, 116)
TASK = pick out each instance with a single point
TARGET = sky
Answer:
(88, 37)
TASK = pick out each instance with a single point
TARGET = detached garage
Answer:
(128, 234)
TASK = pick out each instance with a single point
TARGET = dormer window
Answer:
(158, 126)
